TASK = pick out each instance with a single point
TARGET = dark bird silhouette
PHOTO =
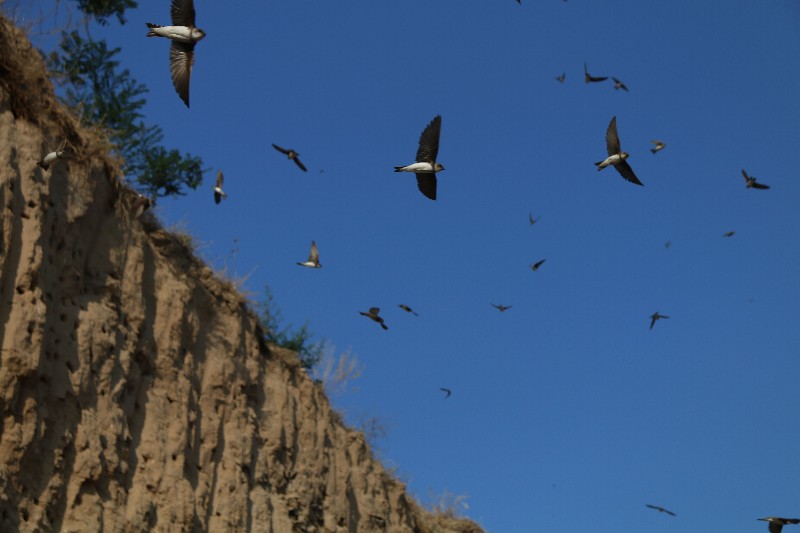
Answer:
(313, 257)
(658, 146)
(660, 509)
(654, 317)
(406, 308)
(616, 156)
(560, 79)
(776, 523)
(447, 392)
(426, 166)
(729, 234)
(752, 183)
(532, 220)
(219, 194)
(373, 315)
(537, 264)
(619, 85)
(591, 79)
(291, 154)
(667, 244)
(501, 308)
(183, 35)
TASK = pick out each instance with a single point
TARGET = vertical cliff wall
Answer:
(136, 392)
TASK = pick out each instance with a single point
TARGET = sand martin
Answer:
(184, 35)
(751, 182)
(447, 392)
(591, 79)
(49, 158)
(560, 79)
(219, 194)
(658, 146)
(532, 220)
(537, 264)
(776, 523)
(406, 308)
(291, 154)
(667, 244)
(140, 204)
(313, 257)
(426, 166)
(619, 85)
(373, 315)
(616, 156)
(729, 234)
(660, 509)
(501, 307)
(654, 317)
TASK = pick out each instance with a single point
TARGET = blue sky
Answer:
(567, 412)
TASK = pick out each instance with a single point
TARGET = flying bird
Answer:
(658, 146)
(373, 315)
(591, 79)
(50, 157)
(313, 257)
(616, 156)
(667, 244)
(447, 392)
(654, 317)
(660, 509)
(532, 220)
(537, 264)
(184, 35)
(426, 166)
(751, 182)
(619, 85)
(560, 79)
(501, 308)
(776, 523)
(219, 194)
(291, 154)
(729, 234)
(406, 308)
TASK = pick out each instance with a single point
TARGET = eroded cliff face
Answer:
(136, 392)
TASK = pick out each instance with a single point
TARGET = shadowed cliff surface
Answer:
(136, 391)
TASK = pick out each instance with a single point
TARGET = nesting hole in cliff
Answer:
(49, 295)
(31, 203)
(20, 289)
(44, 379)
(63, 317)
(70, 367)
(30, 328)
(24, 514)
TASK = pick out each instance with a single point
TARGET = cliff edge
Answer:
(136, 390)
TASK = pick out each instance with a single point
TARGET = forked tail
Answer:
(151, 33)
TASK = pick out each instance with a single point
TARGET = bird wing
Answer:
(669, 512)
(281, 150)
(657, 143)
(182, 13)
(539, 263)
(627, 172)
(299, 164)
(181, 58)
(612, 139)
(217, 197)
(220, 178)
(598, 78)
(775, 527)
(657, 508)
(313, 256)
(757, 185)
(448, 392)
(426, 183)
(429, 141)
(653, 319)
(746, 177)
(374, 311)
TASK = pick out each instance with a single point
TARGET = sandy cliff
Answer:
(136, 392)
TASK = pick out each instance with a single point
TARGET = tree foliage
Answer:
(297, 340)
(102, 9)
(105, 94)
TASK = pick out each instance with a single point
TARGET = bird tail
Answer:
(384, 326)
(598, 165)
(43, 164)
(151, 33)
(653, 150)
(398, 169)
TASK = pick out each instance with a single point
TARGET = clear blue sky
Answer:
(567, 414)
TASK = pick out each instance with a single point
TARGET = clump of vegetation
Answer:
(105, 95)
(297, 340)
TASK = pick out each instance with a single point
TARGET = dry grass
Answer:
(337, 373)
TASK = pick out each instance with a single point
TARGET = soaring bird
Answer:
(219, 194)
(447, 392)
(654, 317)
(560, 79)
(776, 523)
(729, 234)
(373, 315)
(426, 166)
(591, 79)
(619, 85)
(660, 509)
(50, 157)
(501, 308)
(616, 156)
(313, 257)
(537, 264)
(658, 146)
(291, 154)
(752, 183)
(406, 308)
(184, 35)
(532, 220)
